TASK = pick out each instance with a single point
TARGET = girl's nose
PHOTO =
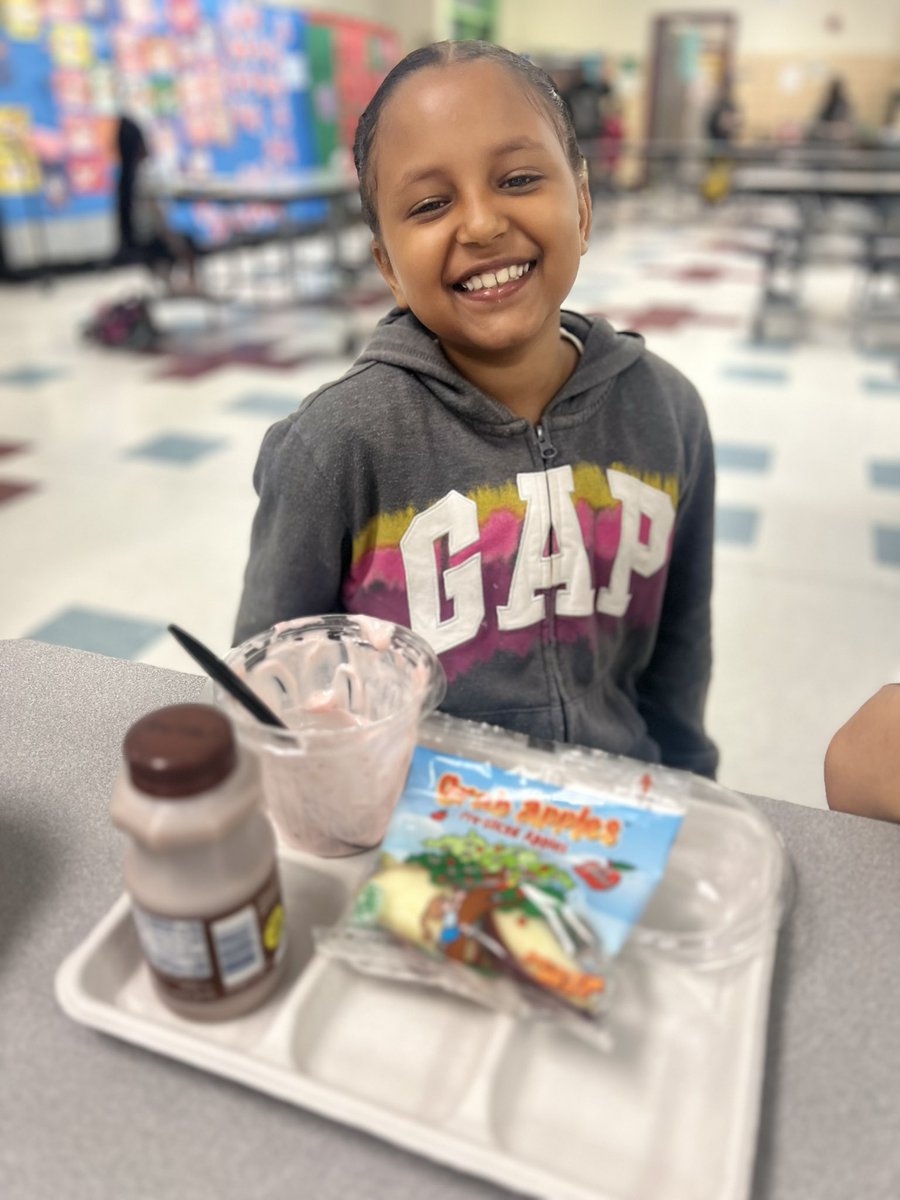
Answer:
(481, 220)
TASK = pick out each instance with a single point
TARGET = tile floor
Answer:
(126, 497)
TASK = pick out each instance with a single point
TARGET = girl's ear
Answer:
(585, 210)
(388, 274)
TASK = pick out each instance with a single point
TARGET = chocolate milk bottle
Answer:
(200, 865)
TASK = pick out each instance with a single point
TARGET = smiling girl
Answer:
(522, 485)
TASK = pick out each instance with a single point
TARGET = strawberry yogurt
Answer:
(352, 690)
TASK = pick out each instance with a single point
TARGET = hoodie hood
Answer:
(401, 340)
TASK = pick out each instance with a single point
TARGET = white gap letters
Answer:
(550, 518)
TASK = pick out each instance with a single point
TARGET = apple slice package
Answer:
(507, 885)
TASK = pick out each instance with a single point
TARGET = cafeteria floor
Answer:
(126, 497)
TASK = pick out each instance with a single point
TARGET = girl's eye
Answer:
(427, 207)
(520, 181)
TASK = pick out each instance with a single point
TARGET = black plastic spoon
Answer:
(220, 671)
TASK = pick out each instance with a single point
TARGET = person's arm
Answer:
(299, 543)
(672, 691)
(862, 763)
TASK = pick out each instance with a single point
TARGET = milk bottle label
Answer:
(212, 957)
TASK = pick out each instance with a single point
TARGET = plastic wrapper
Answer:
(510, 875)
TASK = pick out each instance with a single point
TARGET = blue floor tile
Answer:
(752, 374)
(736, 526)
(100, 632)
(779, 346)
(29, 376)
(887, 545)
(184, 449)
(269, 404)
(884, 474)
(876, 352)
(734, 456)
(881, 387)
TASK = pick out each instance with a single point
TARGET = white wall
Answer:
(764, 26)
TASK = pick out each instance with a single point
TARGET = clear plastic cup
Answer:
(352, 691)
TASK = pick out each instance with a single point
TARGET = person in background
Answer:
(144, 234)
(584, 99)
(834, 124)
(723, 125)
(889, 133)
(724, 120)
(527, 489)
(862, 763)
(612, 135)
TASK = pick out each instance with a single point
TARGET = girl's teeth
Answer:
(490, 279)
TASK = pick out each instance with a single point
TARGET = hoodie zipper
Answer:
(548, 453)
(546, 447)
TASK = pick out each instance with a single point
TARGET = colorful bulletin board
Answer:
(220, 87)
(348, 59)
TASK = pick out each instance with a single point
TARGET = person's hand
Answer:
(862, 763)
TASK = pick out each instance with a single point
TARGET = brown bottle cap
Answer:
(180, 750)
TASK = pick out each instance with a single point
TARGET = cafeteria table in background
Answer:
(336, 190)
(849, 213)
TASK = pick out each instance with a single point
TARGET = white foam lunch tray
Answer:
(665, 1108)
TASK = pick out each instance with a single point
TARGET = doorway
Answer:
(692, 52)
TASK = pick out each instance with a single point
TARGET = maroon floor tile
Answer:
(661, 316)
(703, 273)
(263, 355)
(10, 490)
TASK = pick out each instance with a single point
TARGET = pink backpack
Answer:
(126, 323)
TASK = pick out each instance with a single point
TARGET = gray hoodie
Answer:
(562, 571)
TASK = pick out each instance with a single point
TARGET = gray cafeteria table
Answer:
(336, 188)
(85, 1117)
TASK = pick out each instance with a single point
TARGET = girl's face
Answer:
(481, 220)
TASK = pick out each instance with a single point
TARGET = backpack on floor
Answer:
(126, 324)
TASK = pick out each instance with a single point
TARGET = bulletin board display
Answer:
(348, 59)
(219, 87)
